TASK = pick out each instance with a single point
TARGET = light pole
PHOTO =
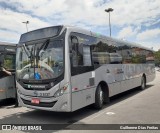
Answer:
(108, 11)
(26, 22)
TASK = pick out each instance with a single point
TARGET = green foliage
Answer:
(103, 47)
(157, 57)
(138, 59)
(25, 63)
(9, 62)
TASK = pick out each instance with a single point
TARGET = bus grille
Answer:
(41, 104)
(39, 89)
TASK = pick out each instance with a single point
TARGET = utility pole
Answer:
(108, 11)
(26, 22)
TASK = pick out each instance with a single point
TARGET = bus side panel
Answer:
(133, 74)
(150, 70)
(130, 83)
(3, 88)
(114, 88)
(112, 75)
(150, 77)
(82, 92)
(7, 87)
(11, 89)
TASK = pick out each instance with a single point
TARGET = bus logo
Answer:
(29, 86)
(6, 127)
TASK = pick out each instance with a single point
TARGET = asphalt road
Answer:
(131, 107)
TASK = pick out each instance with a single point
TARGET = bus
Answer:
(65, 68)
(7, 61)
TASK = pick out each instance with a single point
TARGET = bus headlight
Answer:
(61, 91)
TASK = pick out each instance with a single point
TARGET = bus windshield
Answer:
(40, 61)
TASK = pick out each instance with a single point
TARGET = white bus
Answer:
(7, 61)
(64, 68)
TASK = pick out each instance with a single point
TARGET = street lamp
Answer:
(108, 11)
(27, 22)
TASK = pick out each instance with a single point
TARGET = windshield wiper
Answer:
(43, 47)
(26, 50)
(31, 57)
(29, 54)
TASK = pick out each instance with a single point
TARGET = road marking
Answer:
(98, 114)
(110, 113)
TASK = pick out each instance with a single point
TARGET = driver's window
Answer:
(80, 53)
(77, 52)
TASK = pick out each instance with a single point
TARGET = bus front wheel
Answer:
(99, 98)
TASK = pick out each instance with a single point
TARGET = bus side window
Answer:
(76, 52)
(87, 55)
(9, 62)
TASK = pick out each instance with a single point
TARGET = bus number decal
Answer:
(44, 94)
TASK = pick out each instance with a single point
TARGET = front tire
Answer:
(99, 98)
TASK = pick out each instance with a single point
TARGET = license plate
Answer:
(35, 100)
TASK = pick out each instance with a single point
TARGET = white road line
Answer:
(89, 119)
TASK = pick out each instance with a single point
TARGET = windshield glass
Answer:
(38, 61)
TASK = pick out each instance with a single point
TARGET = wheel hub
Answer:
(101, 96)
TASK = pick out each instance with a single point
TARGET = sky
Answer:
(131, 20)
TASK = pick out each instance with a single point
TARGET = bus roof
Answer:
(7, 44)
(26, 36)
(100, 36)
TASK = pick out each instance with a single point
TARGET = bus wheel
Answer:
(143, 83)
(99, 98)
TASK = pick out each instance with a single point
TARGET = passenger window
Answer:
(98, 53)
(9, 62)
(100, 58)
(149, 56)
(104, 53)
(138, 55)
(87, 55)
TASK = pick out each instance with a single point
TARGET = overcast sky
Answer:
(132, 20)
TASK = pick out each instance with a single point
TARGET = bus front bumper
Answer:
(59, 104)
